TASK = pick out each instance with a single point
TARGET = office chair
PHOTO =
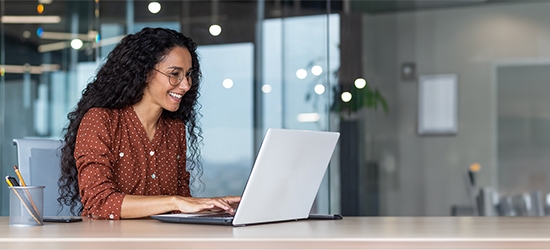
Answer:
(39, 163)
(546, 206)
(488, 201)
(506, 206)
(522, 204)
(538, 203)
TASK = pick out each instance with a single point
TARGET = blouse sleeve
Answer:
(98, 190)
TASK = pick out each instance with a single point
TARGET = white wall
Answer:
(467, 41)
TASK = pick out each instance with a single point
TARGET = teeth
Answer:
(175, 95)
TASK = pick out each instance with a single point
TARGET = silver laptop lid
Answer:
(286, 176)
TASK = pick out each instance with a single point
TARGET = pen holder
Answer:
(26, 206)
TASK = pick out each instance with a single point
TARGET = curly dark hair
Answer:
(119, 83)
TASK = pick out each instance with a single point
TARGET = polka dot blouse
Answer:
(114, 157)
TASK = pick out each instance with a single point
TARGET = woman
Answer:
(125, 153)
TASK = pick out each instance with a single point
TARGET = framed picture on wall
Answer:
(438, 104)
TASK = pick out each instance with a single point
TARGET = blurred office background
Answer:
(451, 87)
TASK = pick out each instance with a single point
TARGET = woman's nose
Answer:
(185, 84)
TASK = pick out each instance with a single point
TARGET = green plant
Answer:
(366, 97)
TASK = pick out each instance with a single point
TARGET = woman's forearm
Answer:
(137, 206)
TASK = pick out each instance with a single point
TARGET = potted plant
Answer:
(359, 192)
(348, 100)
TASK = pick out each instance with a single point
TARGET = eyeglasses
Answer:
(176, 76)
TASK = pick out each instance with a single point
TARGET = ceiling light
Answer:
(346, 96)
(227, 83)
(316, 70)
(301, 74)
(266, 88)
(76, 44)
(21, 69)
(215, 30)
(31, 19)
(308, 117)
(360, 83)
(26, 34)
(319, 89)
(40, 8)
(67, 36)
(154, 7)
(108, 41)
(62, 45)
(52, 47)
(45, 1)
(39, 32)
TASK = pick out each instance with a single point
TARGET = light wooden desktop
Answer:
(349, 233)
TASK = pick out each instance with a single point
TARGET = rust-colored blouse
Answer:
(114, 157)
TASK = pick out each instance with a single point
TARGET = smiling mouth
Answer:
(178, 96)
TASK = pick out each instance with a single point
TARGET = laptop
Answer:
(283, 183)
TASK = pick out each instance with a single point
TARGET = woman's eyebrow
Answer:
(175, 67)
(180, 68)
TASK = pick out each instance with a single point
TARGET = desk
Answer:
(349, 233)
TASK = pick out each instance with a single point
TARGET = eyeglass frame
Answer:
(186, 75)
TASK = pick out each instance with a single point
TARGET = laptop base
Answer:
(194, 220)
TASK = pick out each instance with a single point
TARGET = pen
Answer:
(12, 182)
(23, 184)
(19, 176)
(8, 181)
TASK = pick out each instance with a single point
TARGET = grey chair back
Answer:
(39, 163)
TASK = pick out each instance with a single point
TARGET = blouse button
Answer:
(111, 216)
(178, 157)
(152, 153)
(121, 154)
(153, 176)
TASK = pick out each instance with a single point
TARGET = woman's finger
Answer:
(193, 205)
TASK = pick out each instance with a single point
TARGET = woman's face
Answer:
(163, 89)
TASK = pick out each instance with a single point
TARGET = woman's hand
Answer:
(201, 205)
(136, 206)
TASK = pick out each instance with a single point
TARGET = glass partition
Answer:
(51, 50)
(48, 52)
(350, 66)
(495, 161)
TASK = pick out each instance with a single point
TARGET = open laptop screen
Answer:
(284, 181)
